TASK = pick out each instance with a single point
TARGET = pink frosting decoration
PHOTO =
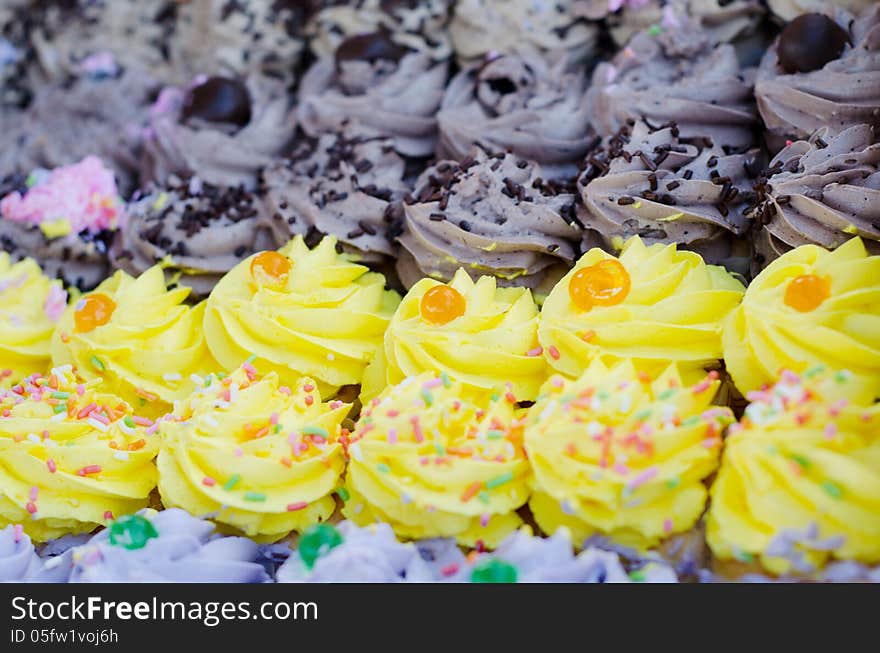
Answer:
(100, 63)
(56, 302)
(83, 194)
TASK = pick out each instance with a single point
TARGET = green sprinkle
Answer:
(833, 490)
(495, 396)
(506, 477)
(428, 397)
(232, 482)
(250, 359)
(667, 394)
(743, 556)
(813, 371)
(603, 395)
(142, 402)
(129, 422)
(277, 428)
(800, 460)
(673, 482)
(771, 449)
(440, 449)
(655, 30)
(31, 180)
(382, 467)
(254, 496)
(315, 430)
(843, 376)
(97, 363)
(61, 395)
(59, 408)
(447, 382)
(494, 434)
(643, 414)
(637, 576)
(483, 496)
(693, 420)
(343, 494)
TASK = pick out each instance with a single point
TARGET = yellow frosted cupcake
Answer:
(138, 336)
(654, 305)
(809, 307)
(478, 333)
(30, 306)
(617, 453)
(805, 455)
(300, 312)
(255, 455)
(434, 464)
(71, 457)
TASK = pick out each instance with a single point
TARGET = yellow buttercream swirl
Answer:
(148, 349)
(765, 335)
(30, 305)
(71, 457)
(435, 464)
(493, 342)
(325, 322)
(253, 454)
(617, 453)
(671, 314)
(804, 455)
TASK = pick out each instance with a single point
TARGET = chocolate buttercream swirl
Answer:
(524, 104)
(492, 215)
(676, 76)
(417, 25)
(653, 183)
(480, 27)
(843, 92)
(225, 152)
(348, 184)
(822, 191)
(382, 88)
(200, 230)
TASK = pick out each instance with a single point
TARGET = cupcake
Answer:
(138, 336)
(678, 76)
(805, 452)
(257, 37)
(197, 231)
(373, 81)
(619, 453)
(821, 191)
(96, 107)
(256, 456)
(31, 306)
(648, 182)
(63, 218)
(480, 27)
(822, 71)
(523, 558)
(482, 335)
(493, 215)
(349, 554)
(346, 183)
(654, 304)
(519, 103)
(221, 129)
(71, 456)
(417, 26)
(432, 463)
(300, 312)
(163, 547)
(809, 307)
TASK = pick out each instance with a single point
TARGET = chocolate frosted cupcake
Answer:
(823, 71)
(492, 215)
(418, 25)
(676, 76)
(63, 218)
(653, 183)
(377, 83)
(200, 230)
(261, 37)
(822, 191)
(346, 184)
(522, 104)
(480, 27)
(222, 129)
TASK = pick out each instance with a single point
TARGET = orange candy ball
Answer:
(271, 269)
(92, 311)
(606, 283)
(807, 292)
(442, 304)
